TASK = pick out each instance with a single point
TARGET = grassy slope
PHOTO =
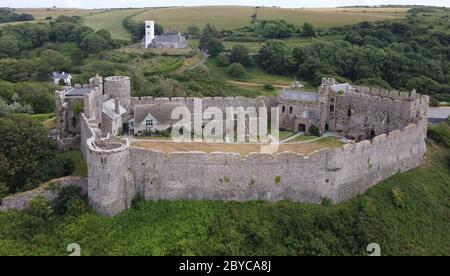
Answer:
(179, 18)
(416, 222)
(41, 14)
(111, 21)
(80, 168)
(329, 17)
(229, 17)
(439, 19)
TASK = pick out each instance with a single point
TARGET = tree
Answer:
(77, 56)
(38, 34)
(9, 46)
(276, 58)
(240, 54)
(105, 34)
(16, 70)
(308, 30)
(214, 47)
(94, 43)
(223, 60)
(159, 30)
(208, 33)
(236, 70)
(61, 32)
(193, 30)
(54, 60)
(25, 149)
(43, 73)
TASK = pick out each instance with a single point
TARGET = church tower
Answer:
(149, 32)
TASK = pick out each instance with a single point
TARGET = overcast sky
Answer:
(147, 3)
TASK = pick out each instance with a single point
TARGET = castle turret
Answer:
(110, 184)
(119, 87)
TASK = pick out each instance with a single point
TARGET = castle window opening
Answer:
(332, 108)
(291, 109)
(283, 109)
(349, 112)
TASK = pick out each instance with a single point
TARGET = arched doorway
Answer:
(301, 128)
(326, 127)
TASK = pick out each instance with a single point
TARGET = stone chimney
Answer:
(117, 105)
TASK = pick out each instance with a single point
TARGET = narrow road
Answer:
(205, 57)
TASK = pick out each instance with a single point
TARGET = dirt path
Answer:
(255, 84)
(202, 61)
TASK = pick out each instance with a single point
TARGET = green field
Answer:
(330, 17)
(438, 19)
(112, 21)
(179, 18)
(230, 17)
(40, 14)
(255, 78)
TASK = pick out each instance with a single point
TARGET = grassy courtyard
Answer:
(244, 149)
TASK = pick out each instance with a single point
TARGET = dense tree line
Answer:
(396, 55)
(17, 40)
(29, 53)
(26, 97)
(8, 15)
(27, 156)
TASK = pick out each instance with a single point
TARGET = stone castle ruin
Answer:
(388, 129)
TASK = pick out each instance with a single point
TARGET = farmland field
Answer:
(179, 18)
(326, 17)
(229, 17)
(111, 21)
(40, 14)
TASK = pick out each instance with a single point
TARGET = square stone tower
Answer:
(149, 32)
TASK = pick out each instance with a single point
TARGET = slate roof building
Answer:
(66, 77)
(112, 112)
(151, 117)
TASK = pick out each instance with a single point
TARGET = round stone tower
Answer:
(119, 87)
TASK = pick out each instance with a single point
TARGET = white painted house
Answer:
(58, 76)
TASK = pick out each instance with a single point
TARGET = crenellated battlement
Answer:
(118, 170)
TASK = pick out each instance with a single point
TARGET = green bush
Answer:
(236, 70)
(70, 202)
(223, 60)
(277, 179)
(397, 198)
(325, 202)
(41, 207)
(268, 87)
(314, 130)
(440, 134)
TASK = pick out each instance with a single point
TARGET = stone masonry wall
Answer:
(337, 174)
(21, 201)
(219, 102)
(118, 171)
